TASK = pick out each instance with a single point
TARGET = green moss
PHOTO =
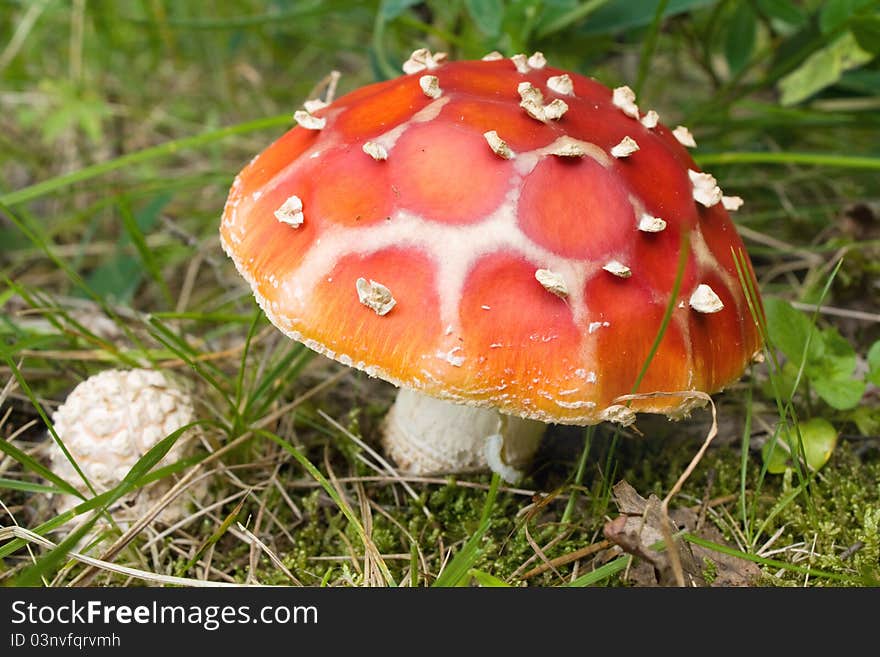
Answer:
(840, 508)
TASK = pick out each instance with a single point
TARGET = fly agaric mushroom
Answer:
(499, 239)
(107, 423)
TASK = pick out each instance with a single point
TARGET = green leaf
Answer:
(782, 383)
(822, 69)
(620, 15)
(835, 13)
(487, 15)
(861, 81)
(819, 440)
(785, 11)
(874, 363)
(740, 41)
(831, 377)
(839, 356)
(867, 419)
(866, 30)
(391, 9)
(840, 394)
(789, 330)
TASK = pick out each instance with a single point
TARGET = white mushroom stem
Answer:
(425, 435)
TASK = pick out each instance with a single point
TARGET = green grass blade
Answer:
(286, 369)
(272, 18)
(140, 243)
(487, 580)
(683, 253)
(28, 486)
(74, 277)
(786, 157)
(577, 13)
(189, 355)
(239, 380)
(456, 571)
(578, 476)
(763, 561)
(216, 536)
(33, 575)
(743, 467)
(173, 147)
(602, 572)
(648, 46)
(47, 474)
(330, 490)
(36, 467)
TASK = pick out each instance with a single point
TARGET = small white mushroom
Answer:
(537, 60)
(561, 84)
(498, 145)
(625, 99)
(566, 146)
(308, 121)
(315, 104)
(552, 282)
(521, 62)
(375, 151)
(422, 60)
(732, 203)
(107, 423)
(493, 56)
(650, 119)
(651, 224)
(704, 300)
(291, 212)
(706, 189)
(430, 84)
(684, 137)
(625, 148)
(375, 296)
(618, 269)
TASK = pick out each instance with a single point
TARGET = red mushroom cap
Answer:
(500, 233)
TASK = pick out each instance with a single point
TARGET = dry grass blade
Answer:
(577, 555)
(272, 556)
(7, 533)
(85, 577)
(713, 431)
(382, 461)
